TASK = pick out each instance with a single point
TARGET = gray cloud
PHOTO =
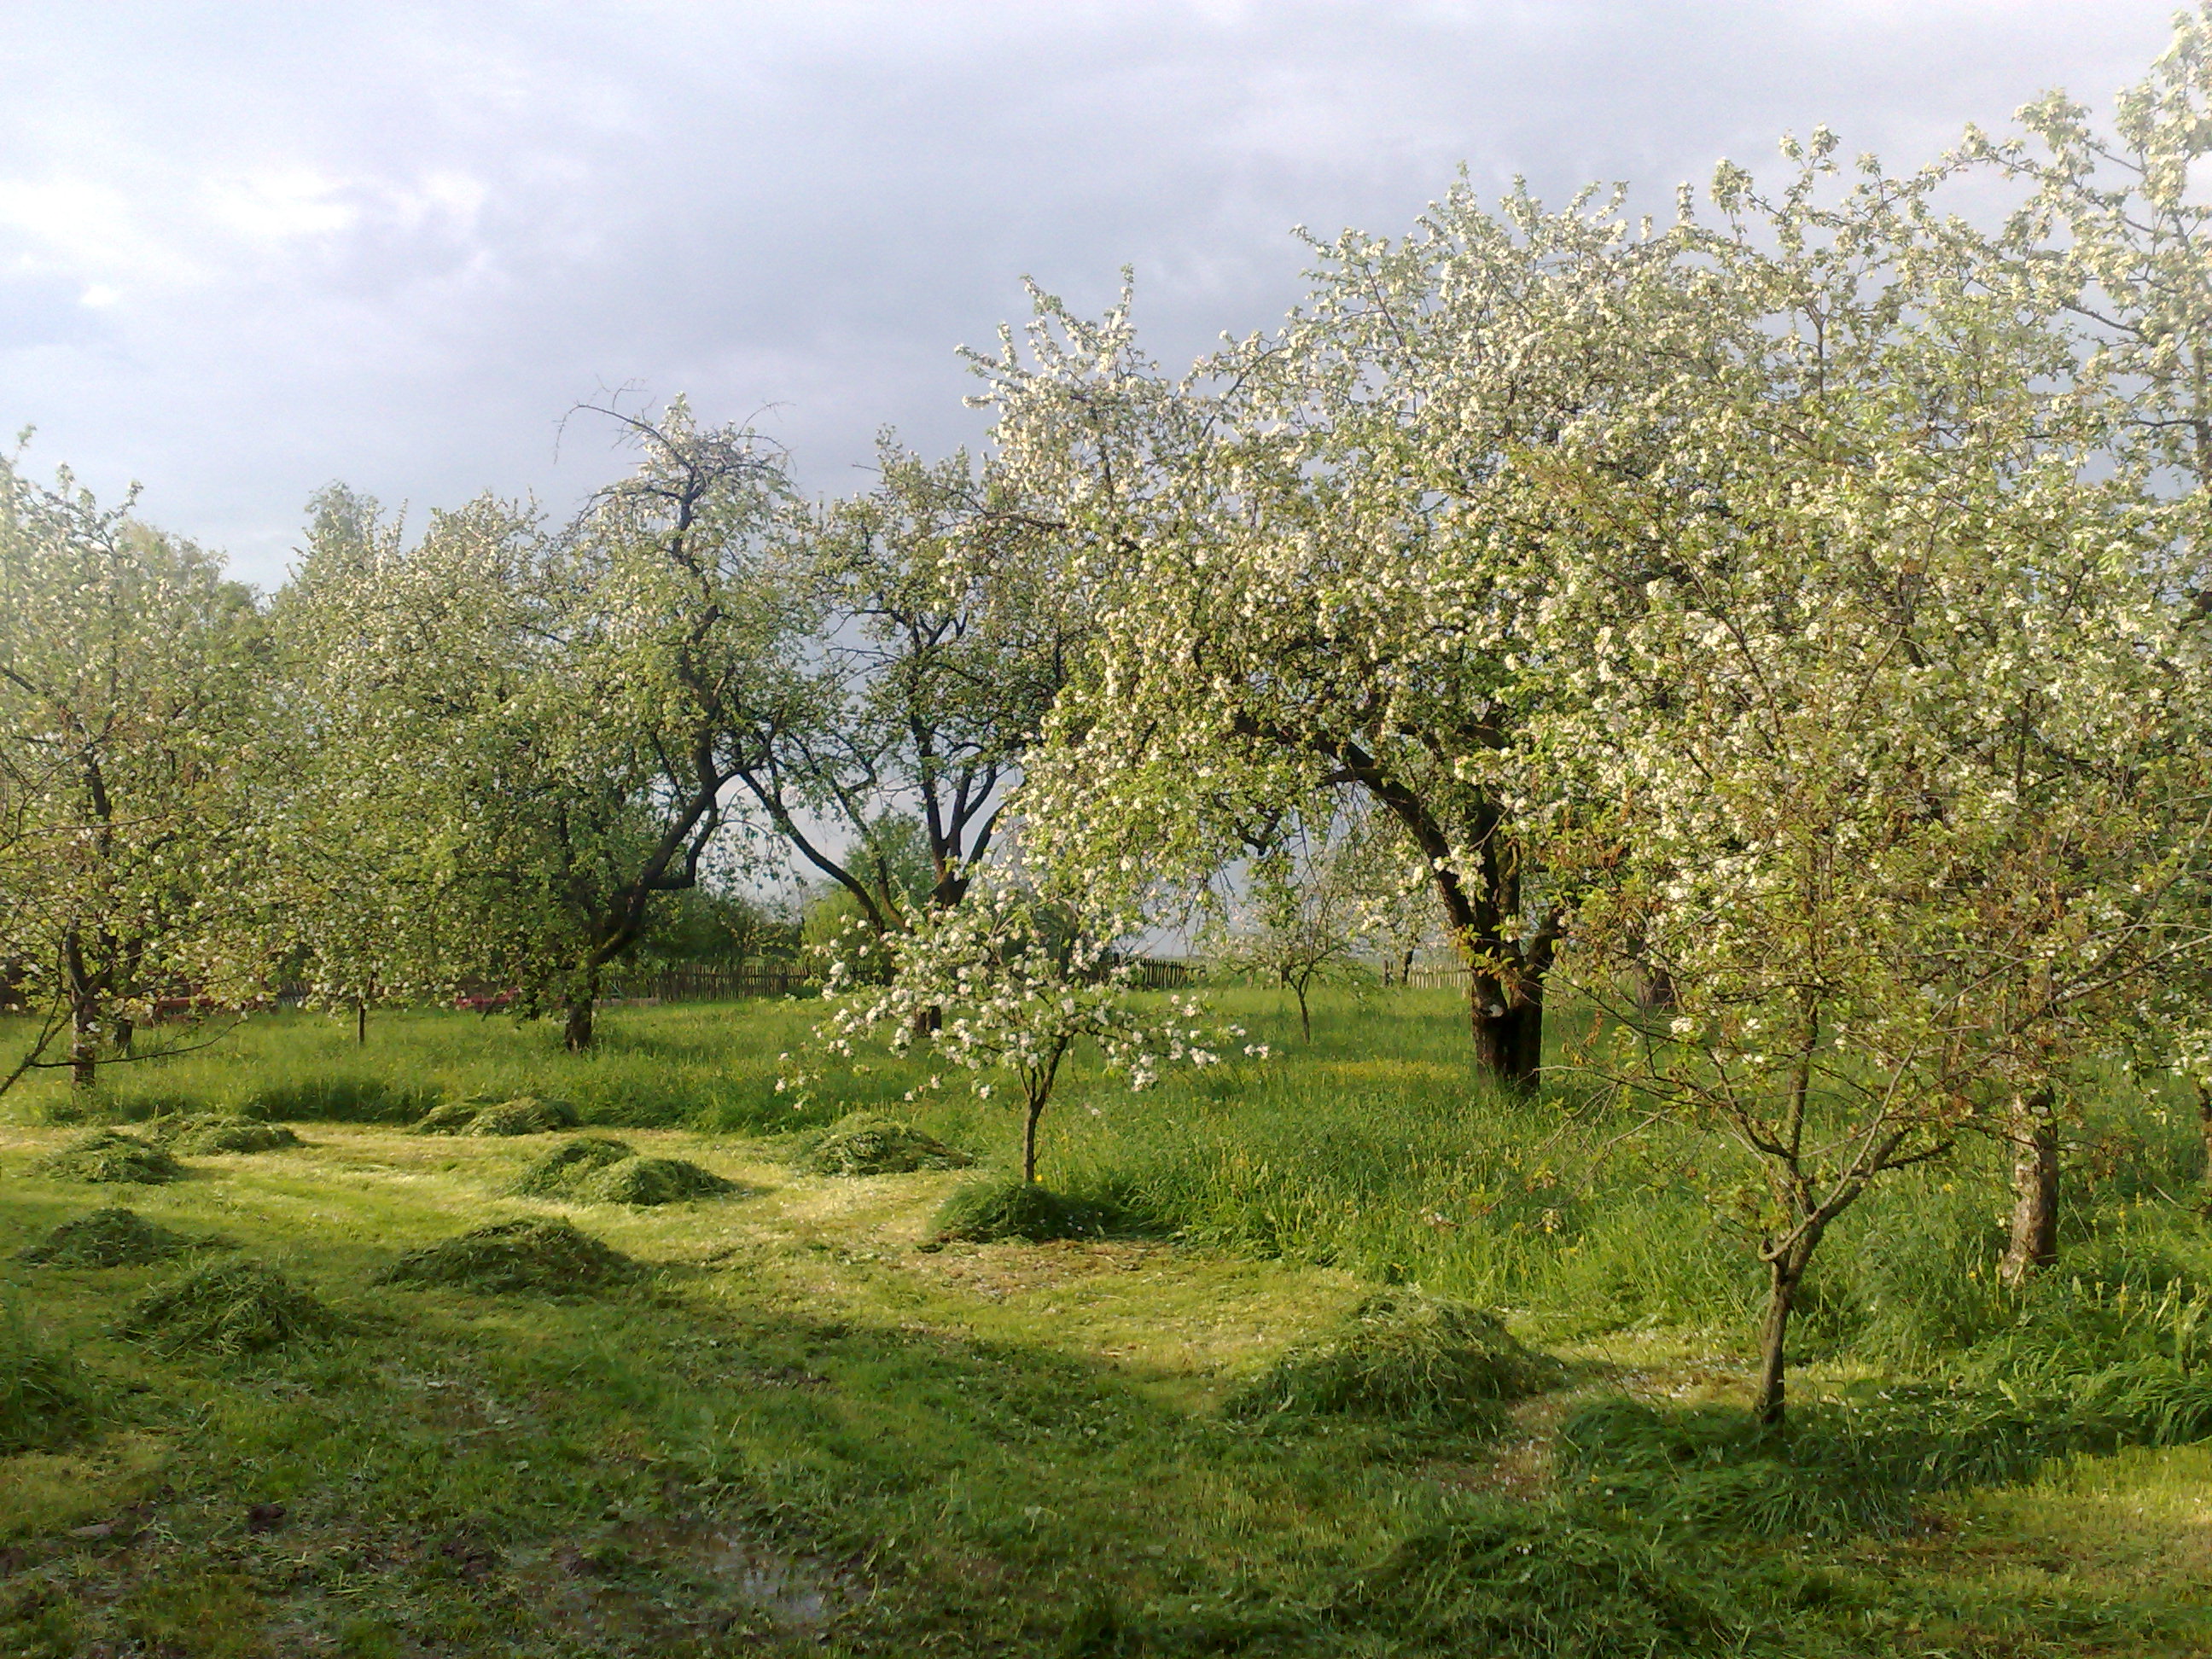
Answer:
(246, 249)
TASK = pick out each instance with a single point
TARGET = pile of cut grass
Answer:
(870, 1144)
(598, 1169)
(538, 1255)
(216, 1132)
(231, 1307)
(1522, 1578)
(1402, 1355)
(46, 1397)
(649, 1182)
(1010, 1210)
(1835, 1468)
(113, 1237)
(112, 1157)
(524, 1114)
(556, 1172)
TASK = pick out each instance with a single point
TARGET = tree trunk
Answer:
(84, 1045)
(1305, 1019)
(1036, 1110)
(125, 1032)
(576, 1031)
(84, 1015)
(1508, 1026)
(1654, 989)
(361, 1022)
(1785, 1273)
(2035, 1190)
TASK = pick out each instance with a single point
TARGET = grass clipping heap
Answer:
(109, 1156)
(111, 1237)
(235, 1306)
(548, 1257)
(870, 1144)
(1009, 1210)
(222, 1131)
(1403, 1356)
(524, 1114)
(597, 1170)
(46, 1397)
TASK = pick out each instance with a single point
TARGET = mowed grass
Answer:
(804, 1432)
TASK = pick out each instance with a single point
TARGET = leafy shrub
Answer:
(516, 1256)
(108, 1154)
(555, 1173)
(218, 1133)
(47, 1398)
(1006, 1209)
(106, 1238)
(649, 1181)
(870, 1144)
(233, 1306)
(1405, 1355)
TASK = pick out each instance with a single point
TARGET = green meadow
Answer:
(797, 1422)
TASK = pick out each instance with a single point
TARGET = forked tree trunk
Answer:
(2034, 1242)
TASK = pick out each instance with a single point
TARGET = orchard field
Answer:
(798, 1423)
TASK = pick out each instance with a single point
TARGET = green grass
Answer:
(797, 1430)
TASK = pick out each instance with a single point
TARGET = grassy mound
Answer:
(107, 1155)
(990, 1211)
(1405, 1355)
(106, 1238)
(515, 1255)
(232, 1307)
(648, 1182)
(226, 1132)
(870, 1144)
(47, 1399)
(554, 1174)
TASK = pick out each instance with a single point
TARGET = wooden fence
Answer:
(705, 985)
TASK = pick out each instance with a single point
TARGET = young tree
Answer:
(131, 675)
(1019, 990)
(1896, 773)
(1298, 916)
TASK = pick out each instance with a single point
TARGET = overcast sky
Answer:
(246, 249)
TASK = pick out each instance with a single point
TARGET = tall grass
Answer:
(1375, 1147)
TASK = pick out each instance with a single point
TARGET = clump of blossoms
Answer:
(1006, 988)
